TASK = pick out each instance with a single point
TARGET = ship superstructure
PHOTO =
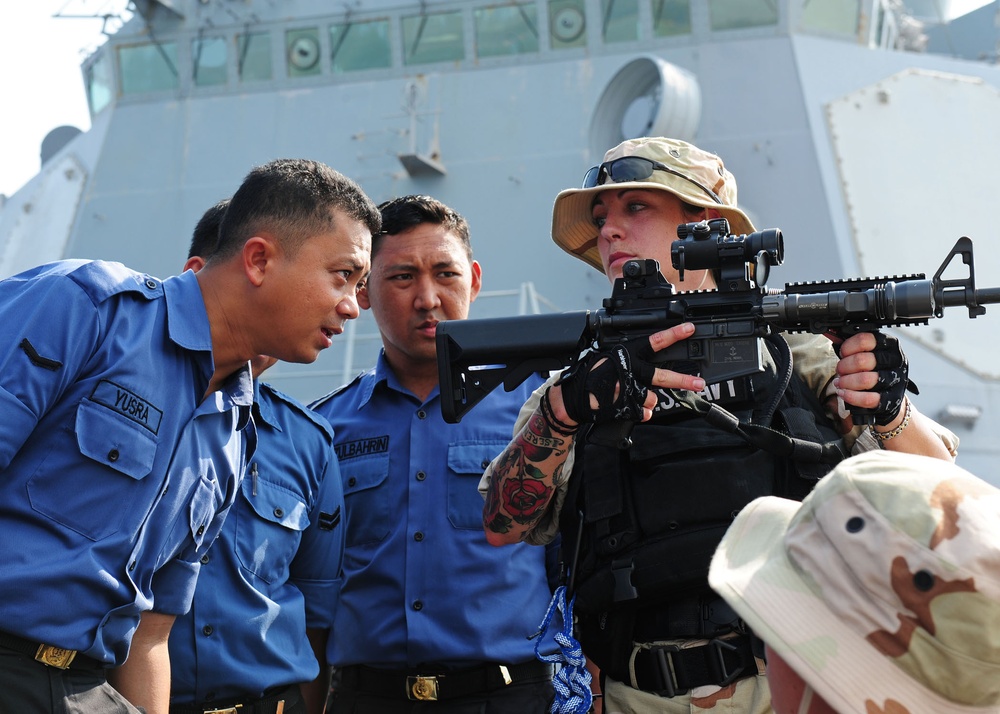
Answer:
(872, 155)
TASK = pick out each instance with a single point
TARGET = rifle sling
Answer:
(762, 437)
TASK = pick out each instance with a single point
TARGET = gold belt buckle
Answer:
(422, 689)
(54, 656)
(227, 710)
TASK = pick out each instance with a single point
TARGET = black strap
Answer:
(267, 704)
(762, 437)
(450, 684)
(670, 670)
(29, 649)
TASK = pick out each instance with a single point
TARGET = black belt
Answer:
(49, 655)
(669, 670)
(424, 686)
(268, 704)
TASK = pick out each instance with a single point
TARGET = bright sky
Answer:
(42, 86)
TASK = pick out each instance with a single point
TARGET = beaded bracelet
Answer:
(558, 426)
(886, 435)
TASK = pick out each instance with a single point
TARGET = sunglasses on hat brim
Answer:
(635, 168)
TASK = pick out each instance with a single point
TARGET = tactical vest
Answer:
(643, 522)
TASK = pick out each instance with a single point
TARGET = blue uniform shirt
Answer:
(421, 584)
(274, 569)
(115, 470)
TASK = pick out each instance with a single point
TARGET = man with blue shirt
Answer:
(430, 618)
(268, 578)
(125, 427)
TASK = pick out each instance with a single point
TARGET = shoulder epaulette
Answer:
(101, 279)
(342, 388)
(299, 408)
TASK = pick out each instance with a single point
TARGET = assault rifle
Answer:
(475, 356)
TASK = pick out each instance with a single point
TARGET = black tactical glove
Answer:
(625, 366)
(893, 378)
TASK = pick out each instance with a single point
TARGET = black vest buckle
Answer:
(622, 569)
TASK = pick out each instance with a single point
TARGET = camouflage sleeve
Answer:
(547, 528)
(814, 360)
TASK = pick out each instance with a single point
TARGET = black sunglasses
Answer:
(634, 168)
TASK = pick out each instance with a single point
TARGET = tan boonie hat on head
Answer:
(693, 175)
(881, 589)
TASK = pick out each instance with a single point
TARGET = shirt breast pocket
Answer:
(466, 462)
(269, 525)
(94, 500)
(366, 504)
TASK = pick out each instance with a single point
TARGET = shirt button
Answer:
(113, 455)
(201, 530)
(352, 481)
(150, 283)
(418, 536)
(207, 630)
(205, 559)
(131, 566)
(421, 475)
(278, 513)
(417, 605)
(421, 414)
(484, 464)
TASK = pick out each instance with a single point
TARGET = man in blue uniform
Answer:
(125, 425)
(275, 564)
(430, 617)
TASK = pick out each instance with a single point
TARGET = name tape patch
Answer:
(362, 447)
(128, 404)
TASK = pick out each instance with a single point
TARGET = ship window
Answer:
(100, 83)
(254, 56)
(883, 26)
(360, 45)
(671, 17)
(148, 68)
(209, 60)
(507, 30)
(834, 16)
(567, 24)
(620, 20)
(302, 51)
(733, 14)
(433, 38)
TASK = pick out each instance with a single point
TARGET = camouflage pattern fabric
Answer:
(745, 696)
(881, 589)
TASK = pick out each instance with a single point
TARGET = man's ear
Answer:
(477, 280)
(711, 214)
(195, 263)
(363, 302)
(259, 254)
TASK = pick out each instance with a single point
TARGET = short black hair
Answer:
(205, 239)
(293, 199)
(406, 212)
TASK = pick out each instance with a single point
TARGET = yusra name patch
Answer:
(128, 404)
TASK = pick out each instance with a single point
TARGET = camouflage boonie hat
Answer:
(881, 589)
(695, 176)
